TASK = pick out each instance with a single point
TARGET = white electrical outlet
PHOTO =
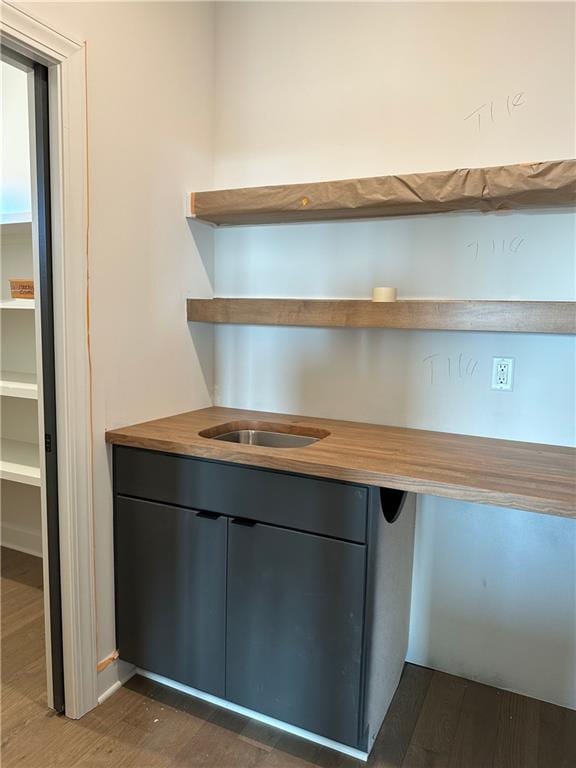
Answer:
(502, 373)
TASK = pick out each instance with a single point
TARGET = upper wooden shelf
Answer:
(509, 316)
(499, 188)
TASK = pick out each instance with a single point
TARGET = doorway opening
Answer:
(30, 531)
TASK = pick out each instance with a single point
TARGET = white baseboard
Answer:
(343, 748)
(113, 677)
(107, 693)
(21, 539)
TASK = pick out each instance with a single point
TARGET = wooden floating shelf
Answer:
(500, 188)
(506, 316)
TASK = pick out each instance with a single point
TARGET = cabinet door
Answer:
(171, 592)
(294, 632)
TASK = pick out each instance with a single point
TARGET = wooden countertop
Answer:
(530, 476)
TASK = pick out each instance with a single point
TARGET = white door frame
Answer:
(66, 62)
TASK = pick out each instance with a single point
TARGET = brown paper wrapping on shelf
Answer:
(500, 188)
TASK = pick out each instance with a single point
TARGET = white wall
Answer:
(15, 158)
(149, 121)
(312, 92)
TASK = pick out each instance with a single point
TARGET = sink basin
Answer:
(266, 434)
(270, 439)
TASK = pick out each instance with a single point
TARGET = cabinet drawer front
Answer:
(304, 503)
(171, 592)
(294, 628)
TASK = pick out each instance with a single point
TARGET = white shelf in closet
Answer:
(17, 303)
(22, 217)
(19, 462)
(18, 384)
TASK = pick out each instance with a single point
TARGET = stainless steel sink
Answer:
(267, 438)
(269, 434)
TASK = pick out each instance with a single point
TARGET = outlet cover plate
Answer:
(502, 373)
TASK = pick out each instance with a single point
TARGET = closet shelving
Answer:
(20, 462)
(20, 217)
(19, 438)
(17, 304)
(16, 228)
(526, 186)
(18, 384)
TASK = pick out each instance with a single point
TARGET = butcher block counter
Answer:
(505, 473)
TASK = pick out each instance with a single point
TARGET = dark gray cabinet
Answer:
(294, 631)
(171, 592)
(287, 595)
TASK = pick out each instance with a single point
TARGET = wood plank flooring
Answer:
(435, 721)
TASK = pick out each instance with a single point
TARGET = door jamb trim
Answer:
(66, 62)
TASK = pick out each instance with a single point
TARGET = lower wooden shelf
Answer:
(468, 315)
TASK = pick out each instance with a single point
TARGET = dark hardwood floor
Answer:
(435, 721)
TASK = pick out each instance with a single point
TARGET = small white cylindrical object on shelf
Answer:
(384, 293)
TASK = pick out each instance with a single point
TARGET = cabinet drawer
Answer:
(292, 501)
